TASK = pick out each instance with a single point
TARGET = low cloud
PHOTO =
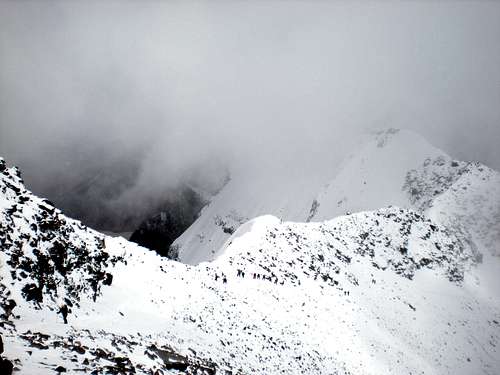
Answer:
(162, 91)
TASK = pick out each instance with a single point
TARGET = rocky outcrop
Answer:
(48, 254)
(432, 179)
(6, 366)
(281, 297)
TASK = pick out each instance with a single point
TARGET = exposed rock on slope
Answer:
(50, 266)
(462, 196)
(381, 292)
(52, 258)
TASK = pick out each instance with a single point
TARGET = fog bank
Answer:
(153, 94)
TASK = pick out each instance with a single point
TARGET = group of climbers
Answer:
(256, 276)
(223, 277)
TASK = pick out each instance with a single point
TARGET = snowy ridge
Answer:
(241, 199)
(55, 269)
(391, 168)
(399, 313)
(378, 292)
(370, 178)
(393, 238)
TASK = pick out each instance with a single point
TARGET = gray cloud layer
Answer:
(169, 87)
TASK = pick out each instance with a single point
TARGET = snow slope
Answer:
(374, 175)
(245, 196)
(393, 167)
(377, 292)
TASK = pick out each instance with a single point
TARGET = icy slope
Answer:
(381, 292)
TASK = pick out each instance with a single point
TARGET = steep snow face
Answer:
(374, 175)
(370, 178)
(381, 292)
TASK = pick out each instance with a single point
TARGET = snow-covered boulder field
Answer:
(389, 291)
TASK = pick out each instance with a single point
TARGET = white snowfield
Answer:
(410, 290)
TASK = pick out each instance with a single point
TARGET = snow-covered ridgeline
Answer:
(385, 291)
(393, 167)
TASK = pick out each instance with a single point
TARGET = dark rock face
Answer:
(175, 361)
(160, 231)
(48, 254)
(6, 366)
(113, 358)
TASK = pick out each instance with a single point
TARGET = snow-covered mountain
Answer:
(374, 175)
(392, 167)
(283, 280)
(388, 291)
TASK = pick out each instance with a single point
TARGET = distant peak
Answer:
(383, 136)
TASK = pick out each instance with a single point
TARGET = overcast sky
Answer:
(176, 85)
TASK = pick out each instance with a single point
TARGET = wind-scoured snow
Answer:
(388, 291)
